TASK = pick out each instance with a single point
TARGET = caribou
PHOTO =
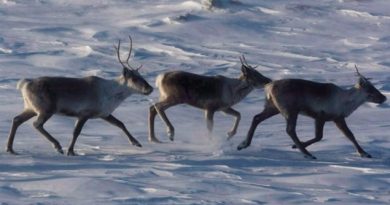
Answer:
(210, 93)
(321, 101)
(83, 98)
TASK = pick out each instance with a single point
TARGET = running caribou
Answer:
(321, 101)
(210, 93)
(83, 98)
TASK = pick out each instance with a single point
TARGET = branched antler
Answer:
(117, 48)
(245, 63)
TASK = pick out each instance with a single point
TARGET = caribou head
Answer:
(130, 76)
(373, 94)
(251, 75)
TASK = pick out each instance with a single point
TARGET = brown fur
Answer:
(321, 101)
(84, 98)
(210, 93)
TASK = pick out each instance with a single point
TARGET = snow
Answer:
(314, 40)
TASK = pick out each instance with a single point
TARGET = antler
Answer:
(131, 48)
(128, 56)
(244, 62)
(360, 75)
(243, 57)
(357, 71)
(118, 54)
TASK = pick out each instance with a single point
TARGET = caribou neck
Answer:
(118, 89)
(353, 98)
(239, 90)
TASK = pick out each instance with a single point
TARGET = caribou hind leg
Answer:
(237, 115)
(209, 114)
(17, 121)
(159, 108)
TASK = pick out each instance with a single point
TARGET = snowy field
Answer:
(314, 40)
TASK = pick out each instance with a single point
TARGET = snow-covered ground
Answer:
(315, 40)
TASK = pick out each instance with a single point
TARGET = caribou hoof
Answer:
(59, 150)
(243, 145)
(231, 134)
(365, 155)
(310, 157)
(171, 134)
(11, 151)
(136, 143)
(294, 146)
(155, 140)
(71, 153)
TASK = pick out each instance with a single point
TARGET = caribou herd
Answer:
(95, 97)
